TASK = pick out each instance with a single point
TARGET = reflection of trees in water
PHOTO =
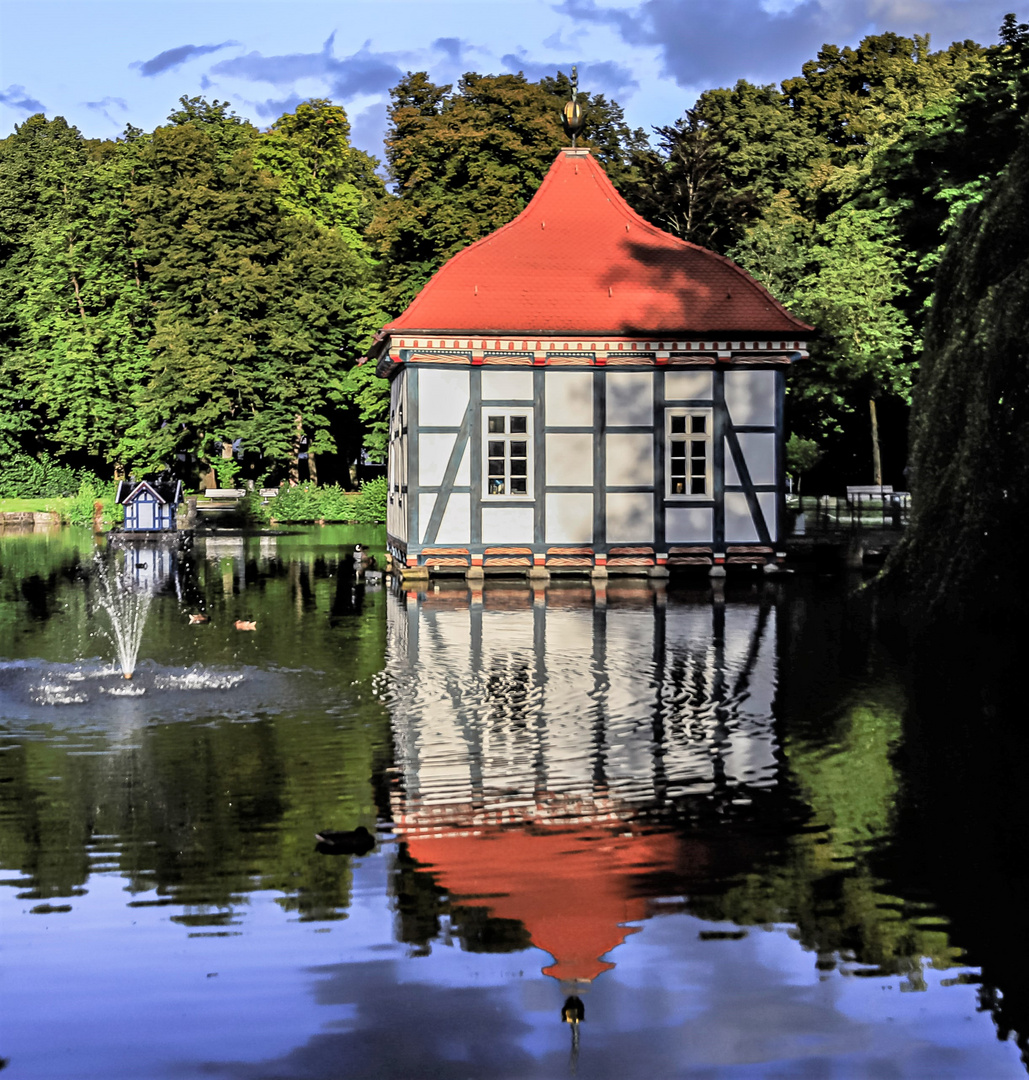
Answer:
(962, 822)
(203, 811)
(425, 913)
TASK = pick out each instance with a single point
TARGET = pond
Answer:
(740, 830)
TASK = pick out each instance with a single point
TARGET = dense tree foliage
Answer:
(73, 310)
(970, 453)
(249, 300)
(188, 294)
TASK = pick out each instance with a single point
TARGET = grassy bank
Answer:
(71, 509)
(36, 506)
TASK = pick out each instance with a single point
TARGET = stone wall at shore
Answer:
(29, 519)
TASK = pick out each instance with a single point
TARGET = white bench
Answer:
(860, 493)
(219, 500)
(877, 495)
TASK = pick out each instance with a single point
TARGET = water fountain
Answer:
(126, 603)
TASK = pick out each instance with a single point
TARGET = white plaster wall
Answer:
(442, 397)
(403, 496)
(434, 450)
(426, 501)
(750, 396)
(759, 454)
(396, 516)
(569, 459)
(507, 524)
(732, 477)
(569, 518)
(630, 517)
(569, 398)
(502, 385)
(463, 477)
(455, 525)
(630, 398)
(688, 385)
(629, 460)
(739, 525)
(768, 502)
(689, 524)
(455, 528)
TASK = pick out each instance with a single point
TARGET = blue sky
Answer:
(104, 63)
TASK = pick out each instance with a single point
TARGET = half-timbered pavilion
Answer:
(582, 391)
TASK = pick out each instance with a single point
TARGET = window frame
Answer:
(690, 437)
(508, 411)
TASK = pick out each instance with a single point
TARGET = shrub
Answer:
(305, 502)
(298, 503)
(370, 508)
(80, 510)
(24, 477)
(226, 470)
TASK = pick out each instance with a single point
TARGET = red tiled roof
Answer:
(578, 259)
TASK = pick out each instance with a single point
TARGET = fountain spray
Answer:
(126, 605)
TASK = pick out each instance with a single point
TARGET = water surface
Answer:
(746, 827)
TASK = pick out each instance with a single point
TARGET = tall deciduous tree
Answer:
(326, 181)
(970, 420)
(718, 168)
(252, 302)
(76, 322)
(854, 298)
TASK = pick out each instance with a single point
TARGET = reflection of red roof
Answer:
(578, 259)
(571, 888)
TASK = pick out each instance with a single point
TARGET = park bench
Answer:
(876, 495)
(219, 500)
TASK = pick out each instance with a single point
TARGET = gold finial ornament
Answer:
(573, 116)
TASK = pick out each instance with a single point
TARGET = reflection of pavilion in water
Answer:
(543, 738)
(150, 568)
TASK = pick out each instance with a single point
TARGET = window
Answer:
(688, 454)
(507, 453)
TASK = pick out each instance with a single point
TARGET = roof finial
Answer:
(572, 116)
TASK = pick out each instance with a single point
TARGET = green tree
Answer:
(326, 181)
(321, 176)
(853, 298)
(949, 154)
(721, 166)
(858, 99)
(970, 420)
(684, 188)
(253, 304)
(76, 319)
